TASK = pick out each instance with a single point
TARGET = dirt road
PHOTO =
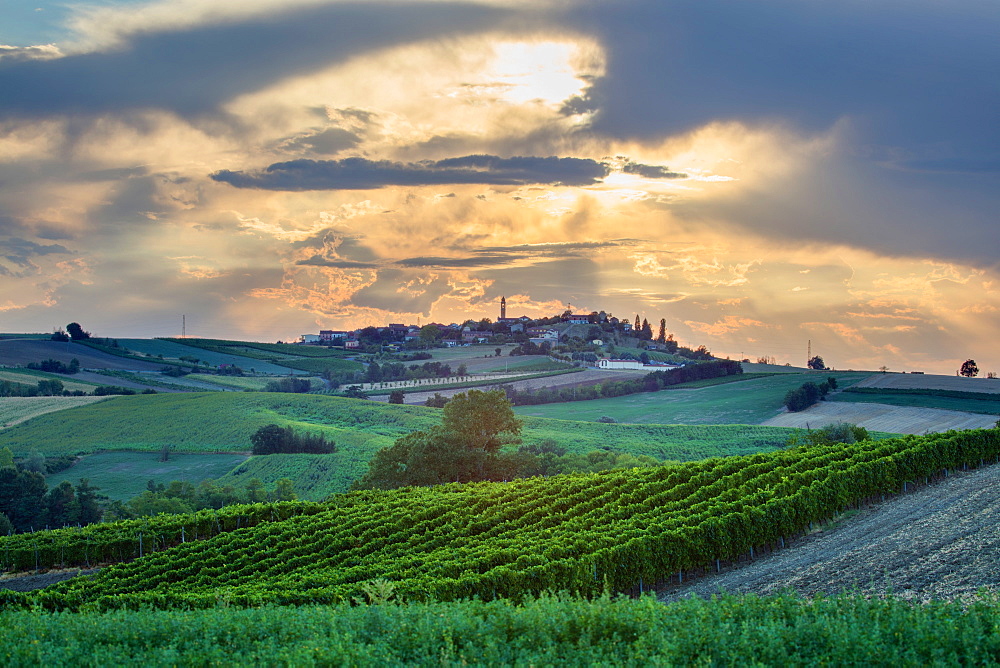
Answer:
(940, 541)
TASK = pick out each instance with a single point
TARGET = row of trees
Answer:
(53, 387)
(808, 394)
(185, 497)
(26, 503)
(272, 439)
(651, 382)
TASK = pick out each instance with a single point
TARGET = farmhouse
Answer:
(619, 364)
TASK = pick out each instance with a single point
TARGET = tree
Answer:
(429, 335)
(59, 336)
(396, 396)
(463, 448)
(969, 369)
(256, 492)
(647, 331)
(661, 336)
(816, 362)
(355, 392)
(6, 457)
(482, 420)
(637, 328)
(272, 439)
(88, 499)
(76, 332)
(284, 490)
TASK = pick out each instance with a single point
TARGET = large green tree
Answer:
(465, 447)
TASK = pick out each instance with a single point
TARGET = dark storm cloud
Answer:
(18, 252)
(916, 71)
(386, 294)
(495, 256)
(364, 174)
(915, 82)
(194, 70)
(477, 260)
(568, 249)
(319, 261)
(651, 171)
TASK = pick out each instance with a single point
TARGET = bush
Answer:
(396, 396)
(607, 419)
(272, 439)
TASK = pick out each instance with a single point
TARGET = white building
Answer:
(619, 364)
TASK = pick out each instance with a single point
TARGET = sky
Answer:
(770, 178)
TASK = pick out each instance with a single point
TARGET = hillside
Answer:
(19, 352)
(223, 422)
(941, 541)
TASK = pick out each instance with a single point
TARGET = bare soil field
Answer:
(915, 381)
(940, 541)
(585, 377)
(882, 417)
(31, 582)
(14, 410)
(18, 352)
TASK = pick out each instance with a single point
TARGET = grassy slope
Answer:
(745, 402)
(223, 422)
(968, 405)
(174, 350)
(122, 475)
(31, 377)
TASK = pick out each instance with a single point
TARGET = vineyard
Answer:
(613, 531)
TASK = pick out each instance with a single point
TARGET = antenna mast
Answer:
(183, 326)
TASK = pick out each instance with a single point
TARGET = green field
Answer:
(988, 404)
(174, 351)
(19, 409)
(123, 475)
(315, 476)
(548, 631)
(31, 377)
(745, 402)
(254, 383)
(224, 421)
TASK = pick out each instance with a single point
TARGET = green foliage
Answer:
(955, 400)
(397, 396)
(289, 384)
(437, 401)
(651, 382)
(545, 631)
(474, 426)
(841, 432)
(272, 439)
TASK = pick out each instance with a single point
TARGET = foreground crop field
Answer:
(548, 631)
(612, 531)
(745, 402)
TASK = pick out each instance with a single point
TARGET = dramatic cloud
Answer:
(760, 175)
(363, 174)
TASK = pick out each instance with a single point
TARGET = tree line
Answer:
(26, 503)
(651, 382)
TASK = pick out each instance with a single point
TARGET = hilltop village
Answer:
(585, 336)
